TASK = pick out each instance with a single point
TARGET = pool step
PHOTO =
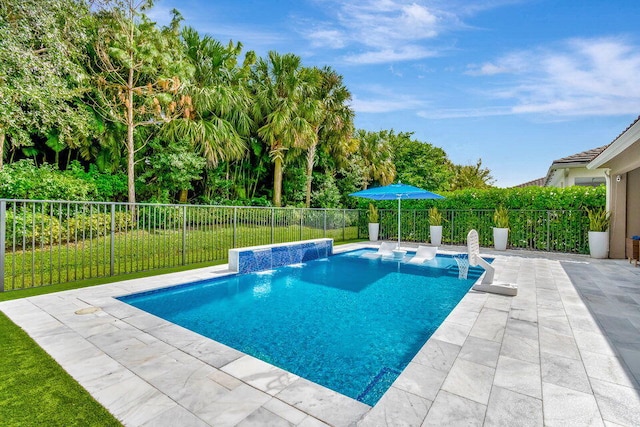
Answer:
(473, 272)
(385, 374)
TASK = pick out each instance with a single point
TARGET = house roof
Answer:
(617, 146)
(581, 159)
(539, 182)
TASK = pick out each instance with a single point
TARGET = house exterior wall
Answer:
(566, 177)
(624, 198)
(633, 203)
(617, 204)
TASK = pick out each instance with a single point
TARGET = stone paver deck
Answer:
(564, 351)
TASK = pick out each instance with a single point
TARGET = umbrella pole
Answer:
(398, 247)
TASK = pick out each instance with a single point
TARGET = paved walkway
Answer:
(564, 351)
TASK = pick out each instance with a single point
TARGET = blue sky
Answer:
(517, 83)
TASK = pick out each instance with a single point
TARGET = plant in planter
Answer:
(435, 226)
(501, 229)
(599, 221)
(374, 226)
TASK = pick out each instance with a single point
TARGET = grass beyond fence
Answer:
(52, 242)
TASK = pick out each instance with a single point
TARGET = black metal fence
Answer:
(544, 230)
(49, 242)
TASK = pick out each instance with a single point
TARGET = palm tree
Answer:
(219, 121)
(332, 122)
(377, 156)
(283, 105)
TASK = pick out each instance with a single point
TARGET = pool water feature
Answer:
(349, 323)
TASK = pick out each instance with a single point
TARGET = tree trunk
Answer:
(131, 178)
(311, 156)
(183, 196)
(2, 138)
(277, 182)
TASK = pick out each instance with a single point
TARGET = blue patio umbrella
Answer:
(398, 192)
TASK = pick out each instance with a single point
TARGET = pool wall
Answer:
(266, 257)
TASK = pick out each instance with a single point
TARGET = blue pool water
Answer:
(349, 323)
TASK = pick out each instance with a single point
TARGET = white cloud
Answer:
(250, 37)
(390, 55)
(457, 113)
(580, 77)
(327, 38)
(509, 64)
(382, 31)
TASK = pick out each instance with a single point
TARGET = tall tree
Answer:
(41, 79)
(471, 176)
(376, 156)
(331, 119)
(420, 163)
(140, 73)
(281, 87)
(219, 121)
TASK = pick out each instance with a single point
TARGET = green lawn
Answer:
(144, 250)
(36, 391)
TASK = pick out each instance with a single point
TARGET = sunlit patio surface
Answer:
(564, 351)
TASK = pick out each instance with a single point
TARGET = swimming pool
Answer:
(349, 323)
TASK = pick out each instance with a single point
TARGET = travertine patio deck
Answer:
(564, 351)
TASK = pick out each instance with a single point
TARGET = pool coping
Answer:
(147, 371)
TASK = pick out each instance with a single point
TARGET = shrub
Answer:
(24, 180)
(435, 216)
(107, 187)
(33, 229)
(373, 213)
(501, 217)
(97, 224)
(599, 219)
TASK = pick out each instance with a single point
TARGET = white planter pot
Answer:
(599, 244)
(374, 228)
(500, 238)
(435, 231)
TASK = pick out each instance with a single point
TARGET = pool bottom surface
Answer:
(349, 323)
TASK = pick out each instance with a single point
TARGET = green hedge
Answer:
(531, 198)
(546, 230)
(25, 180)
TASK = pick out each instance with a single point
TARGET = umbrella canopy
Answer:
(398, 192)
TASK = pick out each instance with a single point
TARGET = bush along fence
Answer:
(544, 230)
(50, 242)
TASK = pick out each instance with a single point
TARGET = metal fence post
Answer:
(324, 233)
(112, 241)
(344, 224)
(273, 213)
(235, 226)
(453, 217)
(301, 222)
(184, 235)
(415, 213)
(3, 234)
(548, 231)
